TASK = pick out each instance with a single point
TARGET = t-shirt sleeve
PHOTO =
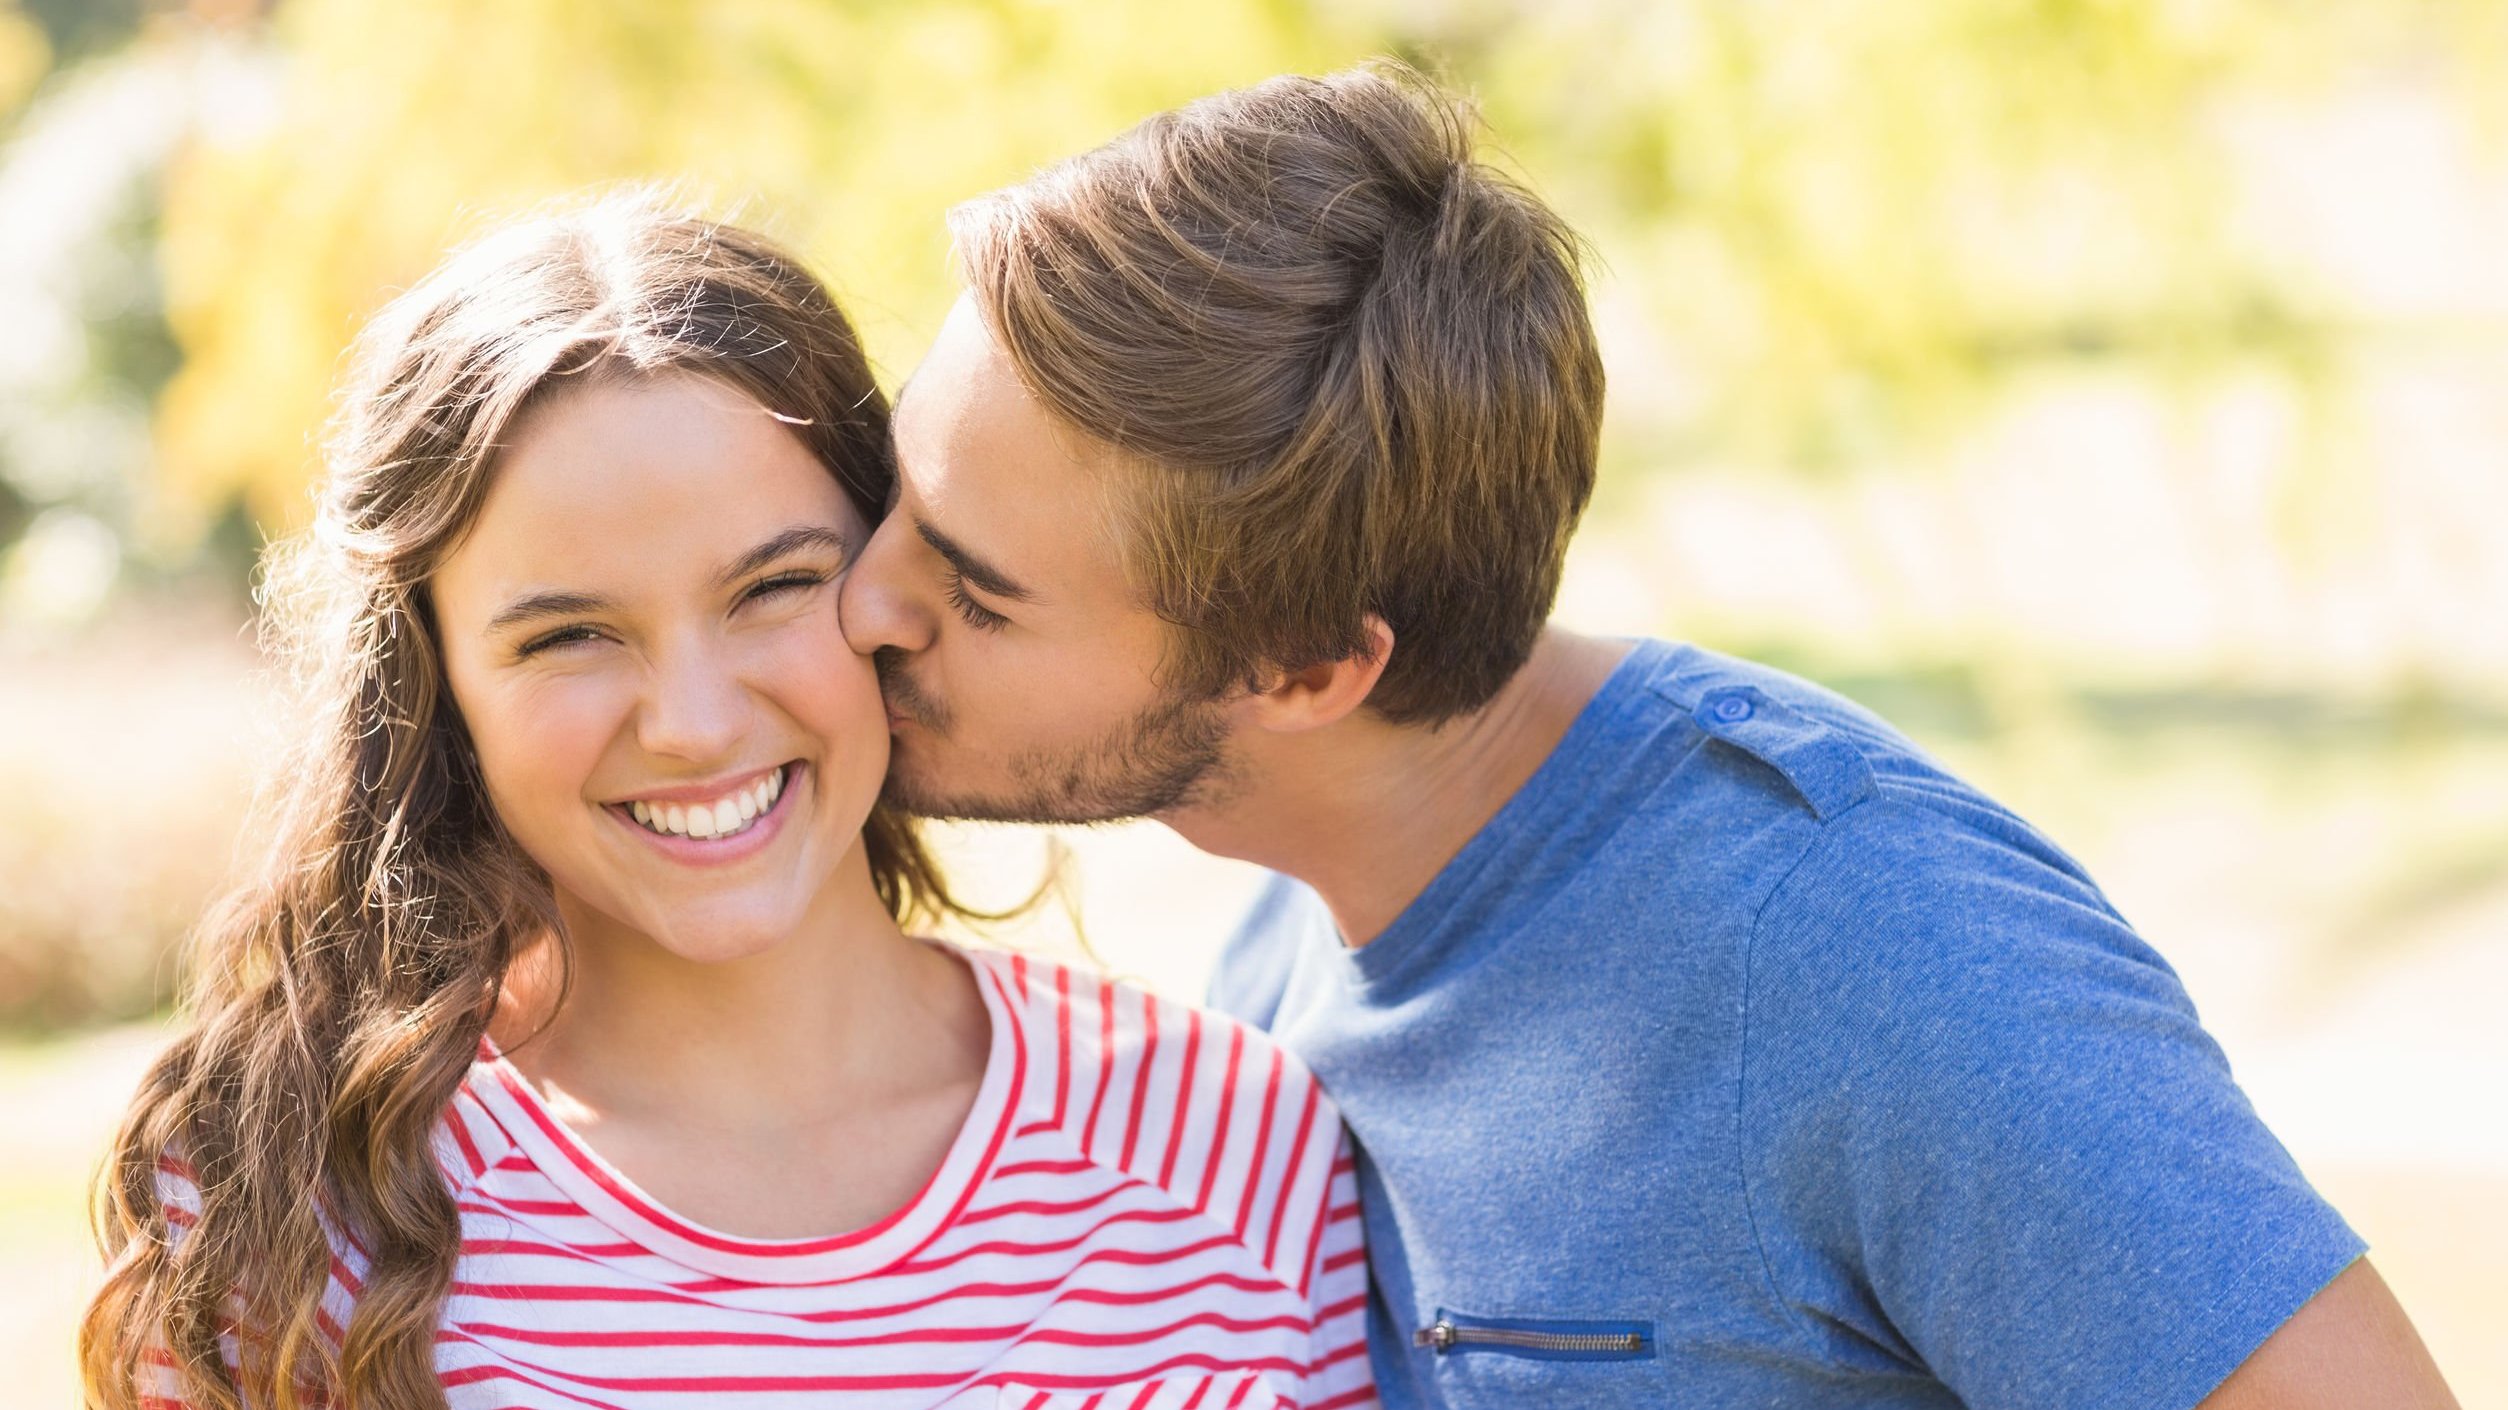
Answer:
(1985, 1135)
(1252, 973)
(160, 1377)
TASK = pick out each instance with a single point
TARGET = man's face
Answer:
(1018, 664)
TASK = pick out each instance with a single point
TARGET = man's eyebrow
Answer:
(533, 606)
(975, 570)
(798, 537)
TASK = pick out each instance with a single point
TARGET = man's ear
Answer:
(1321, 694)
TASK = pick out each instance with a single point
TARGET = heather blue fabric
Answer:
(1746, 1024)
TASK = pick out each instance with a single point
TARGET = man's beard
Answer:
(1170, 754)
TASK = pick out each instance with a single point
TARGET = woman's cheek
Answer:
(540, 751)
(831, 691)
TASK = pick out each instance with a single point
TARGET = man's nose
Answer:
(877, 606)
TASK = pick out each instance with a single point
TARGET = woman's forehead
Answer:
(654, 480)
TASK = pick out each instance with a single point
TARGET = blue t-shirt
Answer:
(1747, 1058)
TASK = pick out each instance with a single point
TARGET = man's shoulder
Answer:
(1828, 752)
(1250, 978)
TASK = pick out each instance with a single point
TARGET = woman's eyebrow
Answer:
(798, 537)
(533, 606)
(561, 603)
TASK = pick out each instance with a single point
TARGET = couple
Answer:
(1698, 1042)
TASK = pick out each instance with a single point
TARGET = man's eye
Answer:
(975, 614)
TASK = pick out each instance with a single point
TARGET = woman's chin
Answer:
(720, 935)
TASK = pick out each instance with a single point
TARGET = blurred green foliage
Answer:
(1853, 218)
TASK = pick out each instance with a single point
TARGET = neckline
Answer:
(1429, 928)
(607, 1194)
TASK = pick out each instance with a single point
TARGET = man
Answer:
(1705, 1044)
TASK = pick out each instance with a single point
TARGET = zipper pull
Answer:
(1439, 1334)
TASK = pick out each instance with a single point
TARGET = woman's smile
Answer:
(709, 824)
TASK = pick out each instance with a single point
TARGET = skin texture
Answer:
(737, 1031)
(1299, 779)
(2351, 1345)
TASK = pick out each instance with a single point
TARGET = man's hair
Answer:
(1349, 364)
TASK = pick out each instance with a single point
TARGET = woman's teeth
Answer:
(728, 816)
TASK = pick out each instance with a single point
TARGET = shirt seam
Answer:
(1741, 1128)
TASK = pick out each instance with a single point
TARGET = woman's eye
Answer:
(781, 583)
(563, 636)
(975, 614)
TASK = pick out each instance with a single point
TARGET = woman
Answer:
(571, 1050)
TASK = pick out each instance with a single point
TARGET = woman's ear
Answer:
(1321, 694)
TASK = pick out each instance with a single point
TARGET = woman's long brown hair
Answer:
(337, 999)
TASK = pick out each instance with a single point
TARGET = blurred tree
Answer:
(846, 129)
(25, 55)
(1850, 219)
(78, 28)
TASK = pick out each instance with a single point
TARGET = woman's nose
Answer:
(877, 606)
(696, 707)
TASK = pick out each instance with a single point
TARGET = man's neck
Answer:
(1368, 813)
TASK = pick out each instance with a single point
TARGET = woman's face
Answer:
(640, 631)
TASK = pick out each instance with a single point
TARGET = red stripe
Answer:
(1175, 1215)
(1141, 1078)
(1356, 1395)
(1184, 1098)
(1072, 1166)
(1062, 1044)
(1105, 1063)
(1048, 1207)
(1015, 1333)
(503, 1205)
(1254, 1181)
(525, 1248)
(1227, 1100)
(1194, 1361)
(1288, 1182)
(461, 1137)
(1207, 1282)
(1355, 1347)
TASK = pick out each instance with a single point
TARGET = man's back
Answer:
(1746, 1057)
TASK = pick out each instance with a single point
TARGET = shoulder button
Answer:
(1821, 765)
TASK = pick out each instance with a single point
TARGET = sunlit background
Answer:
(2113, 392)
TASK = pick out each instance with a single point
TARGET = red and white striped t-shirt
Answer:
(1148, 1208)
